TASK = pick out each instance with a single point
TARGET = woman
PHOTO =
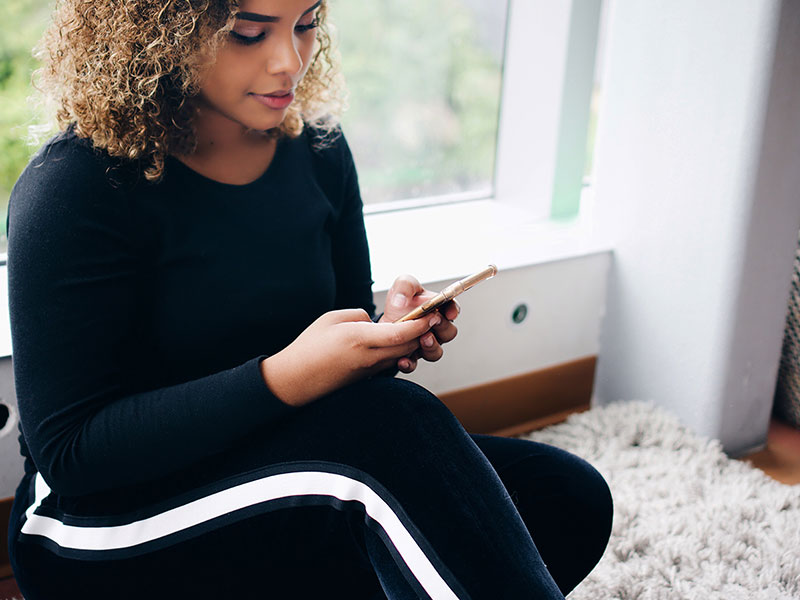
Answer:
(207, 406)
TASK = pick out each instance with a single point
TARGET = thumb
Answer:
(403, 289)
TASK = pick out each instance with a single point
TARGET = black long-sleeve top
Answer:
(140, 312)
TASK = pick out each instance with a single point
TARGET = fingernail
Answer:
(404, 364)
(427, 341)
(435, 320)
(399, 300)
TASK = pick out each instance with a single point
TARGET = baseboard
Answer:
(525, 402)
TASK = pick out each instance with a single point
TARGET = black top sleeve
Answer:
(75, 263)
(349, 251)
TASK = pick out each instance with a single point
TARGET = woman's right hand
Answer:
(340, 347)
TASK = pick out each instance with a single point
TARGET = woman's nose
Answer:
(284, 56)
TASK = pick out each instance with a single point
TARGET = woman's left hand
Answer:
(406, 294)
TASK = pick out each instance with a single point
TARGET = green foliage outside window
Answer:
(424, 80)
(21, 24)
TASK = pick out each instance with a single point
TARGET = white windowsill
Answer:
(440, 243)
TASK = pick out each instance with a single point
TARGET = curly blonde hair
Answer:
(126, 74)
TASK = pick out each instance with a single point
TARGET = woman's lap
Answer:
(411, 451)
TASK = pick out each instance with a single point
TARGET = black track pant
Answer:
(375, 491)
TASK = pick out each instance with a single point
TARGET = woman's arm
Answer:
(337, 176)
(75, 286)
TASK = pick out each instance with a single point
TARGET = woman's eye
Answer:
(307, 24)
(246, 40)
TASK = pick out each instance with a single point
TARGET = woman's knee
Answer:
(567, 506)
(598, 501)
(589, 496)
(592, 512)
(547, 480)
(593, 516)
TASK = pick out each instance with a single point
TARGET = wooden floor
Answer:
(780, 460)
(8, 590)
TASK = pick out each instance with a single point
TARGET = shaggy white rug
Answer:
(688, 521)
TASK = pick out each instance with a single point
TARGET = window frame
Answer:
(538, 192)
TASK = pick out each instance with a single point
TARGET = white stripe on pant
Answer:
(273, 487)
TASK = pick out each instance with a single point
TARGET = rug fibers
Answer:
(689, 523)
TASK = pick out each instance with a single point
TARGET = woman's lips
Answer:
(276, 101)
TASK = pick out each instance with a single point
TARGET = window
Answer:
(468, 99)
(424, 80)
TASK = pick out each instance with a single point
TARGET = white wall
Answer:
(698, 185)
(10, 459)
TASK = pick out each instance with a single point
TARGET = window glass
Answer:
(424, 78)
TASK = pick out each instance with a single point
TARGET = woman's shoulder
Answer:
(329, 146)
(332, 162)
(71, 160)
(66, 176)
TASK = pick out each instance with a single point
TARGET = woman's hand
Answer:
(406, 294)
(340, 347)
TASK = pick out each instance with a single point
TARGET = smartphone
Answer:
(450, 292)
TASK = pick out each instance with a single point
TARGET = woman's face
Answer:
(257, 70)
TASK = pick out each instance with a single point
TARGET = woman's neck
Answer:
(229, 152)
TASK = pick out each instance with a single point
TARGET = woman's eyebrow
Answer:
(249, 16)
